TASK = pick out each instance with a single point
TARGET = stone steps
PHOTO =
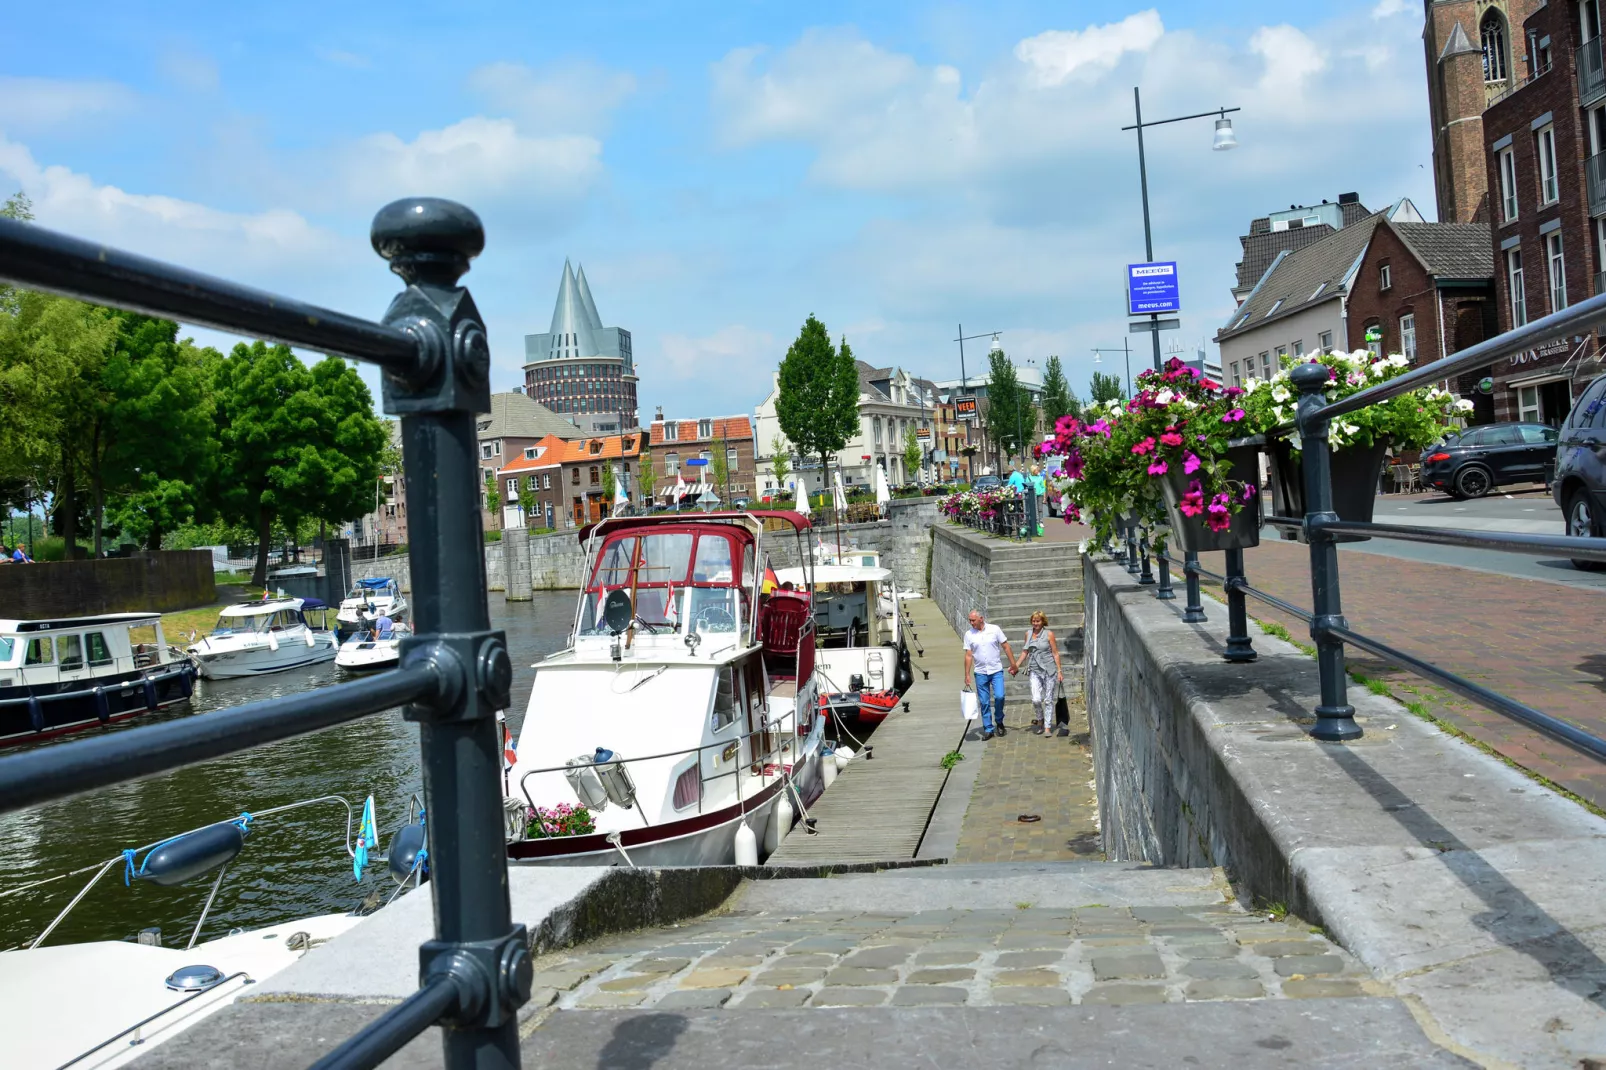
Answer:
(973, 966)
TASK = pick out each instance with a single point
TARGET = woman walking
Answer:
(1040, 655)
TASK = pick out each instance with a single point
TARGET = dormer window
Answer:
(531, 453)
(705, 429)
(671, 432)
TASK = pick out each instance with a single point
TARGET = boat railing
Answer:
(55, 672)
(127, 857)
(151, 674)
(453, 674)
(760, 765)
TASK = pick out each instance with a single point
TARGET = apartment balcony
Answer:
(1591, 73)
(1600, 283)
(1595, 178)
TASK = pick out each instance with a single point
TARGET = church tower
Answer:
(1473, 50)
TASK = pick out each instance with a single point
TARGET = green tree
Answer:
(719, 466)
(1107, 388)
(1011, 417)
(294, 444)
(19, 207)
(646, 478)
(780, 460)
(818, 402)
(610, 486)
(1058, 397)
(493, 500)
(912, 453)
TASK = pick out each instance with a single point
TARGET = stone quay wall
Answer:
(556, 562)
(160, 581)
(1461, 883)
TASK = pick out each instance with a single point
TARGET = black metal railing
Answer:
(454, 673)
(1591, 72)
(1322, 529)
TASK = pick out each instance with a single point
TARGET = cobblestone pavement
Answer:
(1024, 773)
(1045, 957)
(1536, 642)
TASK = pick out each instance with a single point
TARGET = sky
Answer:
(721, 170)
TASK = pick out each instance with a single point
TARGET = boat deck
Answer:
(878, 808)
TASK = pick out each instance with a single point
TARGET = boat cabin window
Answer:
(99, 652)
(70, 651)
(8, 646)
(41, 651)
(713, 561)
(727, 698)
(712, 609)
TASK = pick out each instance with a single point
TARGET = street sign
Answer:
(1152, 288)
(965, 407)
(696, 462)
(923, 434)
(1145, 326)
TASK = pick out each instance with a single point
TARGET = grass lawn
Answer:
(178, 624)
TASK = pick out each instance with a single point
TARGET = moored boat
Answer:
(370, 599)
(680, 725)
(367, 651)
(70, 673)
(858, 617)
(268, 635)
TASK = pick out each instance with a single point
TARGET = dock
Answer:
(880, 807)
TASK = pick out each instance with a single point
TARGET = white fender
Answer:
(844, 755)
(311, 642)
(746, 846)
(828, 769)
(273, 641)
(780, 824)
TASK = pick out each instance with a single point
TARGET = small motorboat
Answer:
(875, 705)
(65, 674)
(370, 599)
(859, 619)
(367, 651)
(268, 635)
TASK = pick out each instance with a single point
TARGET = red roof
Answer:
(555, 451)
(725, 427)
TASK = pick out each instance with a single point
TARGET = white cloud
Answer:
(570, 98)
(1291, 60)
(1058, 55)
(189, 69)
(342, 58)
(731, 359)
(28, 104)
(1388, 8)
(474, 158)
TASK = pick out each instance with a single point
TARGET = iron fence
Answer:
(1322, 528)
(454, 672)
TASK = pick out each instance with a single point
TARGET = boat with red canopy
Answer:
(680, 725)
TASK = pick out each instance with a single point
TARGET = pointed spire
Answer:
(568, 315)
(1457, 43)
(593, 320)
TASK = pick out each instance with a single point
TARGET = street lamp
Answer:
(1126, 350)
(964, 383)
(1224, 139)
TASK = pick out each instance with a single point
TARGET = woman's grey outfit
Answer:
(1043, 675)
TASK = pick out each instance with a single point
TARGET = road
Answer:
(1522, 509)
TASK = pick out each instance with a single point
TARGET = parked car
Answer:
(1473, 462)
(983, 482)
(1579, 486)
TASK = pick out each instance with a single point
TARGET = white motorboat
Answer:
(858, 616)
(680, 726)
(269, 635)
(370, 599)
(103, 1003)
(70, 673)
(366, 651)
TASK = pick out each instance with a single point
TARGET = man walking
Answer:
(986, 648)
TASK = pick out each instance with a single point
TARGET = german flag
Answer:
(770, 581)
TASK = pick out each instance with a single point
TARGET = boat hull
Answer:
(26, 718)
(261, 660)
(368, 658)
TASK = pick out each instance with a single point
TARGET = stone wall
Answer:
(161, 581)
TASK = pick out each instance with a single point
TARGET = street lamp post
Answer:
(964, 386)
(1126, 350)
(1193, 612)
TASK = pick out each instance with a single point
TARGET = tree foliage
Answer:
(780, 460)
(1011, 416)
(647, 479)
(912, 453)
(1106, 388)
(818, 401)
(1058, 397)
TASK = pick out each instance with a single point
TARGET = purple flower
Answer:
(1233, 417)
(1158, 468)
(1190, 464)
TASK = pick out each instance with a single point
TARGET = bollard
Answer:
(1335, 717)
(1239, 645)
(1145, 577)
(1164, 591)
(1132, 546)
(1193, 612)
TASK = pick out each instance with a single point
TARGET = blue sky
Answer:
(721, 170)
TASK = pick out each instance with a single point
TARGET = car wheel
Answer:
(1472, 482)
(1581, 523)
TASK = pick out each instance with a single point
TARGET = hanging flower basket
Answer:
(1356, 470)
(1197, 524)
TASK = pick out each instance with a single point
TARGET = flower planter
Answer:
(1356, 471)
(1192, 534)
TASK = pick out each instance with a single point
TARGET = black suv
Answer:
(1580, 483)
(1473, 462)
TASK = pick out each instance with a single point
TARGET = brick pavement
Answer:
(1536, 642)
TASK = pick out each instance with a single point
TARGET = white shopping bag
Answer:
(969, 706)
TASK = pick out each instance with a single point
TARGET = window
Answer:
(1558, 272)
(596, 476)
(1408, 337)
(689, 786)
(1538, 436)
(40, 652)
(1375, 346)
(1538, 54)
(1528, 409)
(1320, 286)
(70, 651)
(529, 453)
(1545, 148)
(877, 423)
(546, 481)
(1265, 366)
(671, 464)
(1325, 340)
(1519, 297)
(731, 462)
(485, 451)
(1299, 348)
(1282, 352)
(705, 429)
(671, 432)
(513, 488)
(1232, 370)
(727, 698)
(1493, 33)
(99, 653)
(1275, 305)
(1508, 183)
(1385, 276)
(574, 476)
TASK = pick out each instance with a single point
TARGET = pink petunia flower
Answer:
(1158, 468)
(1171, 438)
(1233, 416)
(1146, 446)
(1190, 464)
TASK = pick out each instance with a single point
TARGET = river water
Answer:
(294, 864)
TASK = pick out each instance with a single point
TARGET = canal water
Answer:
(293, 864)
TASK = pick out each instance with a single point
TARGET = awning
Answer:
(692, 490)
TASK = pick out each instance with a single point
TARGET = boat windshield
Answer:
(228, 624)
(7, 646)
(681, 581)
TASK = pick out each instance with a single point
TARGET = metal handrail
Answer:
(455, 671)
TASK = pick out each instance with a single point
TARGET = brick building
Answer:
(515, 423)
(674, 442)
(1279, 232)
(1545, 167)
(565, 487)
(1475, 52)
(1429, 290)
(580, 368)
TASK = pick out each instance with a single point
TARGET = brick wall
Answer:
(159, 582)
(1462, 310)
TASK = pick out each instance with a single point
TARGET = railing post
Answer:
(1193, 612)
(429, 243)
(1239, 645)
(1131, 546)
(1164, 591)
(1145, 576)
(1335, 717)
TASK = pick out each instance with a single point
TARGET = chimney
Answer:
(658, 416)
(1349, 198)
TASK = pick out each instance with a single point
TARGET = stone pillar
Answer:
(516, 565)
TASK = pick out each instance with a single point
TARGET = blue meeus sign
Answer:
(1152, 288)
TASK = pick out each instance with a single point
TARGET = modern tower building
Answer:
(579, 367)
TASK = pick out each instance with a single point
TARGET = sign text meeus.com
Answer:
(1152, 288)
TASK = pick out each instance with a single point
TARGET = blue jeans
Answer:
(990, 697)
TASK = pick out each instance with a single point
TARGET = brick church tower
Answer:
(1472, 61)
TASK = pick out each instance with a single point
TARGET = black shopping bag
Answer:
(1062, 711)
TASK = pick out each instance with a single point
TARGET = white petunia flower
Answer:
(1251, 386)
(1165, 397)
(1463, 405)
(1280, 394)
(1398, 360)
